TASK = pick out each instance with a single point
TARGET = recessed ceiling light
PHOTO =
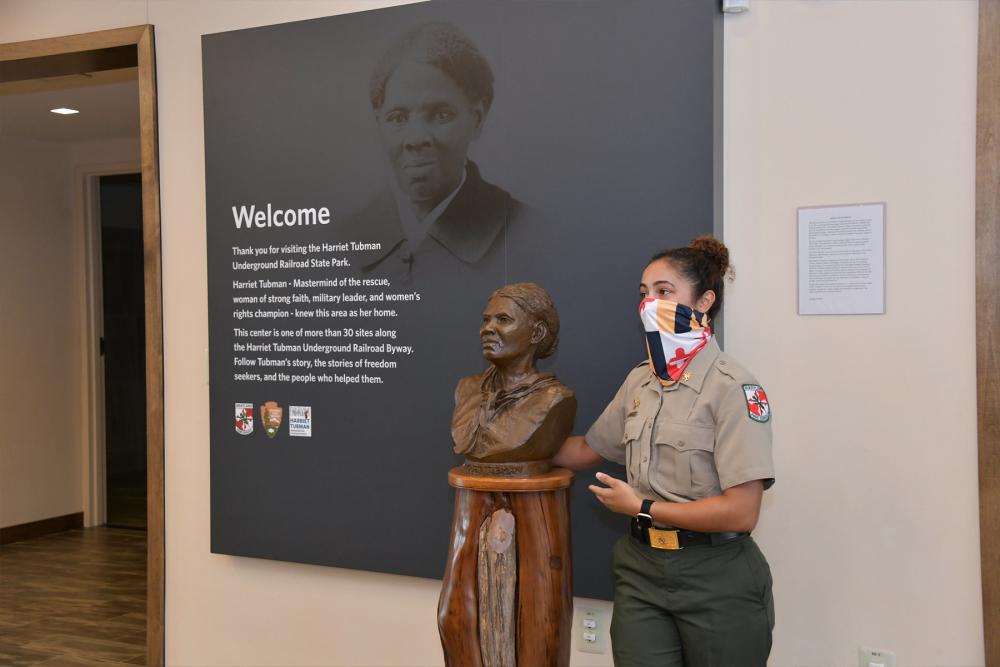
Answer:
(64, 111)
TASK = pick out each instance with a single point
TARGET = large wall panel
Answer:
(594, 151)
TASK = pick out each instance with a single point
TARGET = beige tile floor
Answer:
(74, 599)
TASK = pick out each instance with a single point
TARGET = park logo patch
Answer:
(270, 417)
(244, 418)
(757, 406)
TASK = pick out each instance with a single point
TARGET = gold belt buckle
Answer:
(664, 539)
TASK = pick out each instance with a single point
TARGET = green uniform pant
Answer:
(704, 606)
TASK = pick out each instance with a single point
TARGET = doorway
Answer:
(122, 347)
(128, 497)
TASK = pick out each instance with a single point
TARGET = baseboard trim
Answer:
(33, 529)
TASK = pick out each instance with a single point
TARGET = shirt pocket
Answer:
(684, 461)
(630, 441)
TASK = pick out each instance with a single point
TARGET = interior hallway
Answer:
(74, 599)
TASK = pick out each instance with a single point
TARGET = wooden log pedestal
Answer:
(506, 599)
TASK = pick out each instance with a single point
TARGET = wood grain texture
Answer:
(498, 589)
(544, 573)
(149, 153)
(74, 598)
(988, 317)
(458, 606)
(88, 41)
(545, 578)
(557, 478)
(35, 529)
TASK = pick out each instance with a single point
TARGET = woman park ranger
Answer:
(692, 427)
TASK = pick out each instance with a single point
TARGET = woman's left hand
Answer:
(617, 496)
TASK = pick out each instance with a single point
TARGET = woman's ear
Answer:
(538, 333)
(705, 301)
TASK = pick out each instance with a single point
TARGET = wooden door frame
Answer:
(988, 317)
(142, 38)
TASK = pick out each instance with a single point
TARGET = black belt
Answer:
(672, 539)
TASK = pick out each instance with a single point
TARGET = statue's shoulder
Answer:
(551, 395)
(470, 380)
(558, 391)
(468, 387)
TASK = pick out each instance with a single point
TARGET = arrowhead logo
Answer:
(270, 417)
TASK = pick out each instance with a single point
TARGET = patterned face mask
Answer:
(674, 334)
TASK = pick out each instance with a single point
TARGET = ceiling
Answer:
(108, 103)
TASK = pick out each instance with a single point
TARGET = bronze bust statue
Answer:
(511, 419)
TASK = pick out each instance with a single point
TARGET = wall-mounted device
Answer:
(735, 6)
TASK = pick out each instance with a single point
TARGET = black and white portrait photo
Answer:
(431, 93)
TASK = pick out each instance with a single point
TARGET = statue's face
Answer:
(507, 332)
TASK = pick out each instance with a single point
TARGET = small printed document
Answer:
(842, 260)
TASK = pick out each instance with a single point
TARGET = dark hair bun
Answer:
(715, 251)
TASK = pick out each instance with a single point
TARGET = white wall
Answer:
(123, 151)
(872, 527)
(43, 396)
(40, 446)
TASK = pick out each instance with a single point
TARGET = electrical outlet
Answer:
(875, 657)
(592, 630)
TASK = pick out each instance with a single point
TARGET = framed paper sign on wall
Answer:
(841, 259)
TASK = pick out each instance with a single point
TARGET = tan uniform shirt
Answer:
(691, 440)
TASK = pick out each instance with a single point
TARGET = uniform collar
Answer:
(695, 371)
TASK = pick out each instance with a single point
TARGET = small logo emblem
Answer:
(300, 421)
(270, 417)
(244, 418)
(757, 406)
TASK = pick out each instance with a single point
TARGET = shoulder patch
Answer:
(758, 408)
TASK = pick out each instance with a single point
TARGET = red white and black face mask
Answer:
(675, 333)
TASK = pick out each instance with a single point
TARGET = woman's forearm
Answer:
(576, 454)
(736, 510)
